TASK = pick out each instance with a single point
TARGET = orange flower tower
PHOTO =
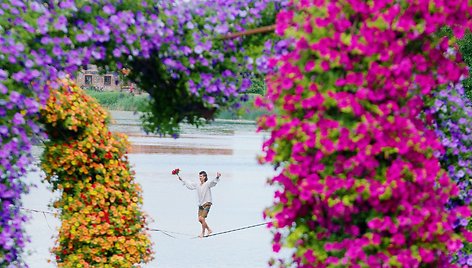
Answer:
(100, 203)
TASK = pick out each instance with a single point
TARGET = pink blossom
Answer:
(426, 255)
(309, 256)
(398, 239)
(309, 66)
(276, 247)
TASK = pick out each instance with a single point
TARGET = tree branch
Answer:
(264, 29)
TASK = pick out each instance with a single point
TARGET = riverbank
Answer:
(125, 101)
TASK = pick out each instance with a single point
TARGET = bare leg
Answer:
(203, 232)
(204, 226)
(203, 223)
(207, 227)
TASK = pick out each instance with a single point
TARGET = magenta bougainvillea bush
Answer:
(450, 114)
(360, 184)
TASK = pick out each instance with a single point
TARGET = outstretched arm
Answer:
(215, 180)
(189, 185)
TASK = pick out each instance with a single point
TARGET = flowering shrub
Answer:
(452, 114)
(100, 203)
(359, 184)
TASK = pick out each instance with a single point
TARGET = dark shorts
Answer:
(204, 209)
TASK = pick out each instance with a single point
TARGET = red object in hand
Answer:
(175, 171)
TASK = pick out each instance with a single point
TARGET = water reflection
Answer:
(129, 123)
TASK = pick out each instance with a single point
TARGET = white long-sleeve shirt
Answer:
(203, 190)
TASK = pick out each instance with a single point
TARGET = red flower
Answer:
(175, 171)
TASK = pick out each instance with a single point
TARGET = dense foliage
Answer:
(258, 86)
(359, 182)
(101, 220)
(465, 45)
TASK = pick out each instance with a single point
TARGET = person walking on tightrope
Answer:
(204, 196)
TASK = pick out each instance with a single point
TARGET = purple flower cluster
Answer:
(23, 75)
(452, 114)
(12, 237)
(192, 47)
(17, 126)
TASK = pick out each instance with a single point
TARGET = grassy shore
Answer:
(124, 101)
(120, 101)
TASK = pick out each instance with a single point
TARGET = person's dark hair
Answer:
(204, 174)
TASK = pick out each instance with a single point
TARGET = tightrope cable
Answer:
(165, 232)
(38, 211)
(168, 233)
(237, 229)
(42, 212)
(46, 218)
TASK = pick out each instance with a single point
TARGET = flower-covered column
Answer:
(100, 203)
(359, 185)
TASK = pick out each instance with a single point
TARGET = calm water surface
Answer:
(239, 198)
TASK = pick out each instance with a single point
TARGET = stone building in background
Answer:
(91, 78)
